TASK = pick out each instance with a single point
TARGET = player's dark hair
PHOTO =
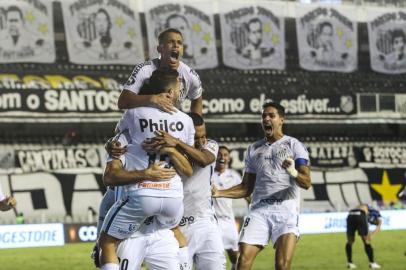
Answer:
(162, 35)
(224, 147)
(398, 33)
(17, 9)
(160, 81)
(322, 25)
(197, 119)
(277, 106)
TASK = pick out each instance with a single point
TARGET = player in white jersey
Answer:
(224, 178)
(275, 168)
(146, 198)
(6, 202)
(199, 224)
(171, 50)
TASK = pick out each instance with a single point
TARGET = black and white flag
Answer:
(387, 40)
(26, 31)
(194, 19)
(102, 32)
(252, 34)
(327, 37)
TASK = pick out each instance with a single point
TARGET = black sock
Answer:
(348, 251)
(370, 252)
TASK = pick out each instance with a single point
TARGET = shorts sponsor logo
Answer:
(187, 220)
(157, 185)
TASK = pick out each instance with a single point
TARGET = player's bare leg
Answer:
(108, 256)
(248, 253)
(183, 249)
(285, 248)
(233, 256)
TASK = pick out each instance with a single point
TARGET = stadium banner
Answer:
(253, 34)
(82, 232)
(327, 37)
(196, 23)
(337, 222)
(102, 32)
(26, 31)
(31, 235)
(387, 40)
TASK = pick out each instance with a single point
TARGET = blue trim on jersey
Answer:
(115, 214)
(301, 161)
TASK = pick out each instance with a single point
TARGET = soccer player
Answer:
(275, 168)
(146, 198)
(224, 178)
(171, 50)
(358, 220)
(198, 224)
(6, 202)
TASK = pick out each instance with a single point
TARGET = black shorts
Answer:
(357, 221)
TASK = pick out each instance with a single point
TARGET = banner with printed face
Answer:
(102, 32)
(26, 31)
(327, 37)
(387, 40)
(195, 22)
(253, 35)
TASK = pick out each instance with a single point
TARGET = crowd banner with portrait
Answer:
(327, 37)
(26, 31)
(102, 32)
(387, 40)
(253, 34)
(195, 21)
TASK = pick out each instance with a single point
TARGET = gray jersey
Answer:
(197, 188)
(274, 186)
(225, 180)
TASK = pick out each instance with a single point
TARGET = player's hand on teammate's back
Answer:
(164, 101)
(165, 139)
(156, 171)
(114, 148)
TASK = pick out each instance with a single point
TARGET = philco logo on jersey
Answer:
(161, 125)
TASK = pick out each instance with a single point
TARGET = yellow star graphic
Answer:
(29, 16)
(339, 32)
(275, 39)
(43, 28)
(119, 21)
(348, 43)
(387, 191)
(196, 27)
(207, 38)
(131, 32)
(266, 28)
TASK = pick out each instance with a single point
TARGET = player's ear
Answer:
(158, 48)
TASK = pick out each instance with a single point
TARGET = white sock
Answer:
(184, 258)
(110, 266)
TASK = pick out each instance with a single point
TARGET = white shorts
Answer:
(159, 250)
(229, 232)
(127, 214)
(205, 245)
(262, 225)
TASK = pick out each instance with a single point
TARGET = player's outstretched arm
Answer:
(242, 190)
(378, 224)
(116, 175)
(178, 160)
(8, 203)
(129, 100)
(196, 106)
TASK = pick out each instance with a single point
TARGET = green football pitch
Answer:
(321, 251)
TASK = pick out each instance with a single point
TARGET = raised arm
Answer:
(178, 160)
(242, 190)
(301, 175)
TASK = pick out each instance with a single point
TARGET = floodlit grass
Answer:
(321, 251)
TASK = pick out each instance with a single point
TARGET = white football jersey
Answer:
(197, 188)
(141, 123)
(224, 206)
(274, 186)
(191, 86)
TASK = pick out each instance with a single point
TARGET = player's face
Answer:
(14, 23)
(102, 23)
(175, 91)
(223, 158)
(271, 122)
(326, 35)
(255, 33)
(200, 136)
(171, 50)
(398, 44)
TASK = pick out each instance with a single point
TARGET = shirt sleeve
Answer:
(249, 163)
(212, 147)
(195, 88)
(138, 77)
(299, 151)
